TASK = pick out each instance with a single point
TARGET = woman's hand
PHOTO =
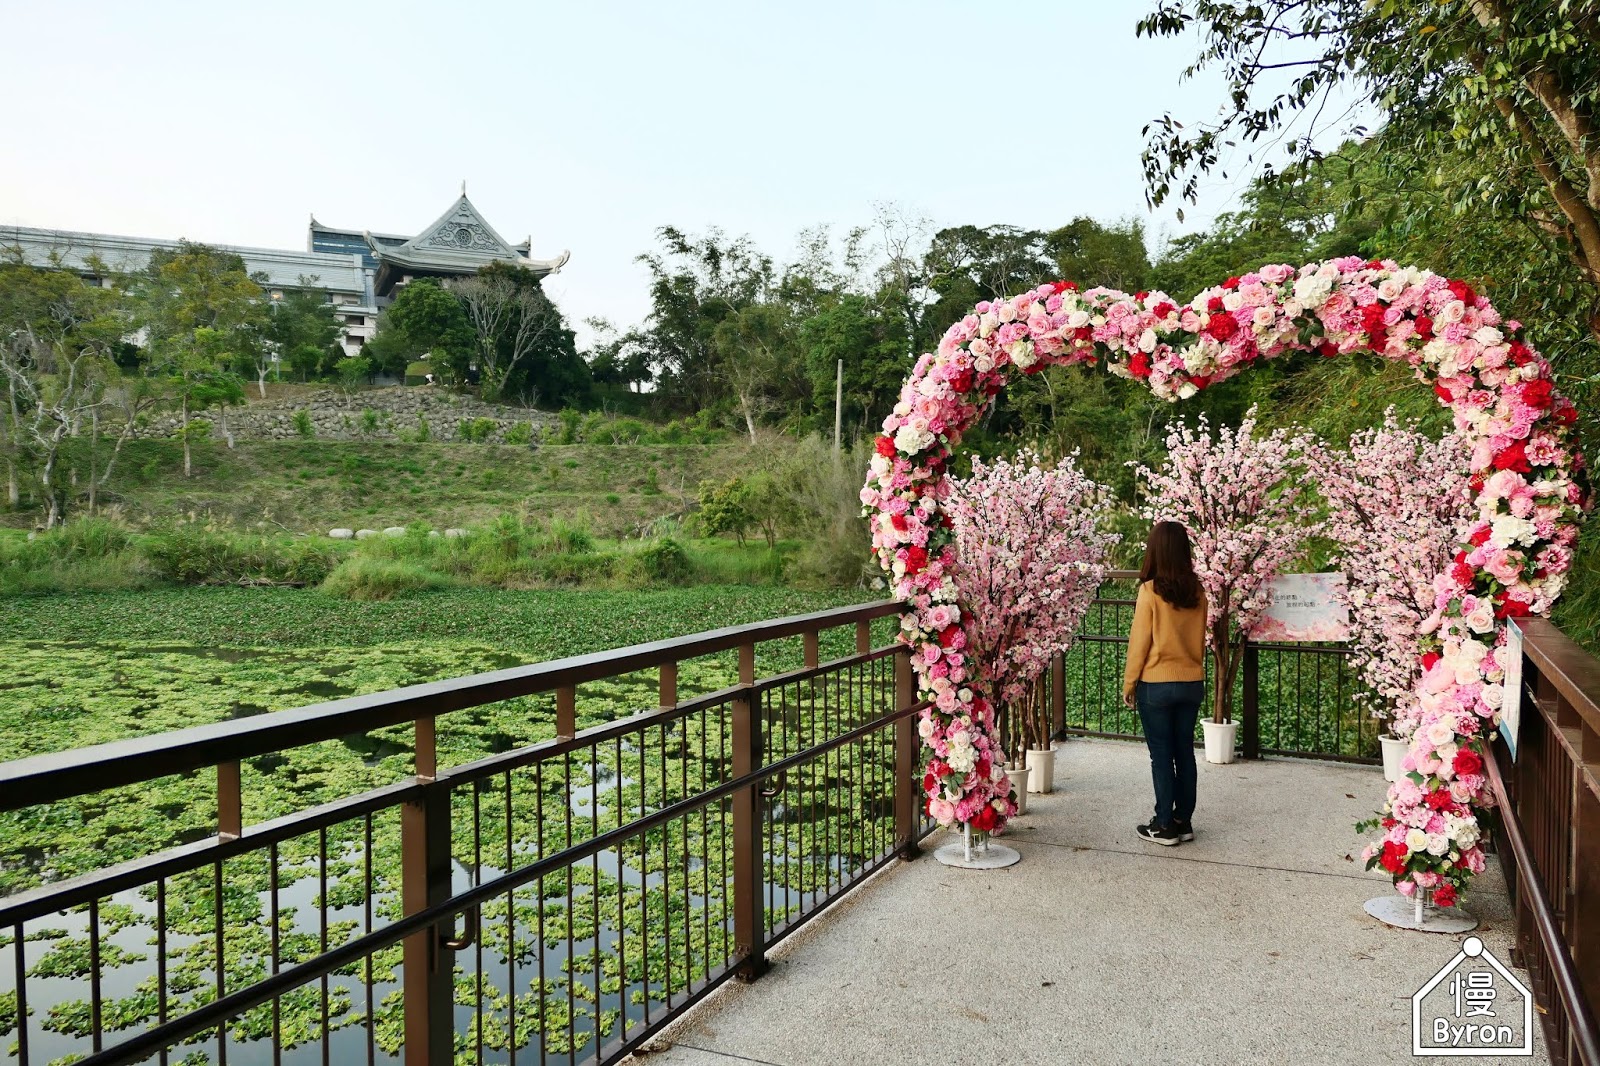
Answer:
(1127, 699)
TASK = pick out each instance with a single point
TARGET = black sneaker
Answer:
(1184, 830)
(1164, 835)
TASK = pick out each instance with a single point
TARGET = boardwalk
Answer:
(1247, 945)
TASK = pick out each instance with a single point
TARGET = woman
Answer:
(1165, 676)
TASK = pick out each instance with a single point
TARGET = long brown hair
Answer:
(1169, 563)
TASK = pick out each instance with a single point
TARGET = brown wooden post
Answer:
(813, 648)
(749, 916)
(907, 765)
(1252, 702)
(863, 637)
(1583, 909)
(1058, 695)
(427, 966)
(427, 754)
(230, 802)
(668, 689)
(566, 711)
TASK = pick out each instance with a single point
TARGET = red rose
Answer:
(1513, 456)
(1394, 857)
(1445, 895)
(1222, 326)
(1467, 761)
(1429, 659)
(1063, 286)
(986, 819)
(1140, 295)
(1214, 304)
(1083, 333)
(1536, 393)
(916, 559)
(1521, 354)
(962, 382)
(1443, 393)
(1567, 413)
(1480, 538)
(1374, 264)
(1231, 283)
(1163, 309)
(898, 521)
(1425, 327)
(1511, 607)
(929, 783)
(984, 768)
(1440, 800)
(1463, 292)
(1372, 318)
(1328, 348)
(885, 446)
(1139, 365)
(1200, 381)
(1462, 574)
(947, 635)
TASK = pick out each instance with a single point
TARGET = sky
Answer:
(586, 124)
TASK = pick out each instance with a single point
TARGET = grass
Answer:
(311, 486)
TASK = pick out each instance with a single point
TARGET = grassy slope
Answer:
(312, 486)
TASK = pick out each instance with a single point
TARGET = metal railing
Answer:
(1291, 699)
(1549, 801)
(560, 900)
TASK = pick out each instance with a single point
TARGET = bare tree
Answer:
(53, 386)
(503, 312)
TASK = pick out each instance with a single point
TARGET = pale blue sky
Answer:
(586, 124)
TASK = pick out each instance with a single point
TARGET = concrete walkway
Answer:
(1248, 945)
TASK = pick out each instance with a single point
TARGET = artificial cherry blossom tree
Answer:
(1032, 561)
(1397, 501)
(1246, 505)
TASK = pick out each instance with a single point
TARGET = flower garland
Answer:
(1512, 560)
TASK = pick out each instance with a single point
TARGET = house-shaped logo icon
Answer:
(1474, 1006)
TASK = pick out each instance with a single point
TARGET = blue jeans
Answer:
(1167, 711)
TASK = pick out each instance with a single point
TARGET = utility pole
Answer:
(838, 406)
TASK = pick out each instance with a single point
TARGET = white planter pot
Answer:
(1041, 770)
(1219, 741)
(1019, 783)
(1394, 749)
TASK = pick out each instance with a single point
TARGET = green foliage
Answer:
(303, 328)
(725, 508)
(476, 430)
(423, 321)
(520, 433)
(194, 554)
(571, 419)
(366, 578)
(666, 561)
(369, 422)
(302, 424)
(354, 371)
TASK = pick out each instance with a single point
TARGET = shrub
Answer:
(570, 420)
(476, 430)
(578, 568)
(191, 554)
(302, 424)
(369, 422)
(424, 431)
(571, 537)
(521, 433)
(665, 561)
(364, 577)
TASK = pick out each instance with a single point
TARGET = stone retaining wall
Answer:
(400, 411)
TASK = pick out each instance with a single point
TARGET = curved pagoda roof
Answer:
(460, 241)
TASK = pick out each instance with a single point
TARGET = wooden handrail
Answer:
(1574, 672)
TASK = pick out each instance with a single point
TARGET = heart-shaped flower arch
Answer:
(1513, 558)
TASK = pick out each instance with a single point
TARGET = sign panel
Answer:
(1511, 709)
(1305, 607)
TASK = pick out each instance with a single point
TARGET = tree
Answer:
(1246, 508)
(1397, 503)
(303, 331)
(424, 321)
(1032, 559)
(510, 315)
(57, 338)
(873, 349)
(1093, 255)
(200, 313)
(1509, 81)
(725, 508)
(753, 346)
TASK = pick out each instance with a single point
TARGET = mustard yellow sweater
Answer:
(1166, 644)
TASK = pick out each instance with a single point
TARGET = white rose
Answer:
(1416, 839)
(1493, 696)
(1078, 319)
(1440, 732)
(987, 323)
(1438, 844)
(1488, 336)
(1147, 341)
(1232, 301)
(1264, 317)
(1186, 390)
